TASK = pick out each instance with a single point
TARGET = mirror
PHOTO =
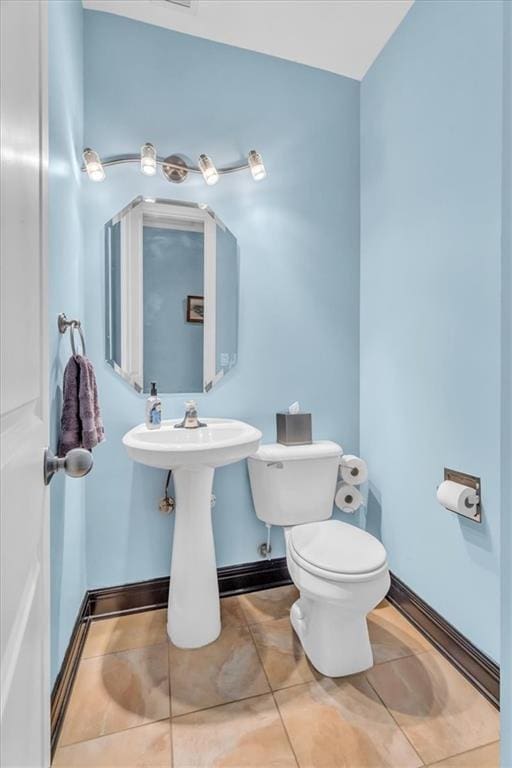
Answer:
(171, 296)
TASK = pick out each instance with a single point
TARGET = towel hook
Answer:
(63, 325)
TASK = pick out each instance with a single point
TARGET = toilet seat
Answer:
(337, 551)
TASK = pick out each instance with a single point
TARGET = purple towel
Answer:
(80, 425)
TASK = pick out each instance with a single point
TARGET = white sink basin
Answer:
(193, 617)
(221, 442)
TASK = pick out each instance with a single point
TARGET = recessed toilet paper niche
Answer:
(461, 493)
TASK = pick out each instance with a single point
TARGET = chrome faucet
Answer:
(190, 420)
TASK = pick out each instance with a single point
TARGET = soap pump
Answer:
(153, 409)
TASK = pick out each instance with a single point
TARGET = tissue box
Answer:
(293, 428)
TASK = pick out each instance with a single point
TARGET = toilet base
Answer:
(335, 641)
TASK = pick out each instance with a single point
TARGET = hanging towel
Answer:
(93, 432)
(80, 425)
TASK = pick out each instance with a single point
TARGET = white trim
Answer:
(124, 293)
(159, 222)
(138, 302)
(131, 269)
(45, 575)
(166, 210)
(210, 302)
(109, 326)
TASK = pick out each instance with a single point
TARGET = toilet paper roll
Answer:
(353, 470)
(458, 498)
(348, 498)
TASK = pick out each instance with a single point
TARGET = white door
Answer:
(24, 589)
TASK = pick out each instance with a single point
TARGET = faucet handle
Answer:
(190, 420)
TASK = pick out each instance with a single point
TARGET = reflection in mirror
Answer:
(171, 296)
(172, 271)
(226, 320)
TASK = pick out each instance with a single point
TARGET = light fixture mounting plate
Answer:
(171, 173)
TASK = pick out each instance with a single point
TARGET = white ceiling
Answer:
(342, 36)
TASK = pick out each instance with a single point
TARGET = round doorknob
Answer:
(76, 463)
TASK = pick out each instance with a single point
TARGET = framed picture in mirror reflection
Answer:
(195, 309)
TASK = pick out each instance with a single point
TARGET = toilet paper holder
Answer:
(473, 482)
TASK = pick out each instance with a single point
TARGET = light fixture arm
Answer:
(174, 167)
(163, 162)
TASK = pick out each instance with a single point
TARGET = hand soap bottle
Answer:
(153, 409)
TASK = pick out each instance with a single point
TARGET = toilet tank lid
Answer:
(320, 449)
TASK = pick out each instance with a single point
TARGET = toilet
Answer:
(340, 570)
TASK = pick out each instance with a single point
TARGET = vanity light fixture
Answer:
(92, 165)
(148, 159)
(174, 167)
(256, 165)
(208, 169)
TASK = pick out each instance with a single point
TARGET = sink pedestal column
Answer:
(193, 617)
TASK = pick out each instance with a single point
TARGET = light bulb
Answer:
(148, 159)
(93, 165)
(208, 169)
(256, 165)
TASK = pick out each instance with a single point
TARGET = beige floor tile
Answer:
(268, 604)
(148, 746)
(231, 613)
(441, 713)
(245, 734)
(392, 636)
(226, 670)
(483, 757)
(124, 632)
(281, 653)
(117, 691)
(340, 723)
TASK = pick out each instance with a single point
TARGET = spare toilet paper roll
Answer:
(353, 470)
(348, 498)
(458, 498)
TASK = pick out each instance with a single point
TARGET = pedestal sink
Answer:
(193, 454)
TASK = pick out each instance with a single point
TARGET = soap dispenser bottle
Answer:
(153, 409)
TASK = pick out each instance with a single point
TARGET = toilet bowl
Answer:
(341, 571)
(330, 615)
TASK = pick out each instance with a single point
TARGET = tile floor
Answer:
(251, 699)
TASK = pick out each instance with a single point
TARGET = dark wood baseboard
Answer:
(66, 677)
(478, 668)
(145, 596)
(481, 671)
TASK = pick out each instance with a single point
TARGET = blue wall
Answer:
(506, 399)
(431, 138)
(68, 579)
(172, 270)
(299, 261)
(431, 193)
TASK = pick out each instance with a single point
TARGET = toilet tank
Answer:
(294, 484)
